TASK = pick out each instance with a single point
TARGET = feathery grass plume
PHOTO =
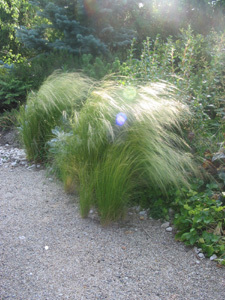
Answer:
(114, 182)
(61, 92)
(124, 138)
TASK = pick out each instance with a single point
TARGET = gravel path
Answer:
(47, 251)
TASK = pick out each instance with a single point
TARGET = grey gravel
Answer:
(48, 252)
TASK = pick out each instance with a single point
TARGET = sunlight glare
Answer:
(121, 119)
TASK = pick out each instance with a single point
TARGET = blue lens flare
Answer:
(121, 119)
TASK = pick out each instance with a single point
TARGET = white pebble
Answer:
(196, 250)
(165, 225)
(201, 255)
(169, 229)
(214, 256)
(143, 213)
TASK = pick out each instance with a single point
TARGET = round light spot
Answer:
(121, 119)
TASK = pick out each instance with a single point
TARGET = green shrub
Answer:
(13, 89)
(21, 78)
(8, 120)
(200, 219)
(195, 65)
(30, 74)
(40, 67)
(95, 68)
(110, 162)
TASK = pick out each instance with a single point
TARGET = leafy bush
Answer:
(13, 89)
(13, 92)
(8, 120)
(195, 65)
(17, 80)
(200, 219)
(214, 163)
(94, 68)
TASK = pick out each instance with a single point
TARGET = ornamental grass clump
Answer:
(124, 139)
(60, 94)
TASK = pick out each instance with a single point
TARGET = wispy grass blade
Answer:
(61, 92)
(148, 149)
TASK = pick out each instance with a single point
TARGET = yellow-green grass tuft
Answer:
(60, 93)
(116, 140)
(110, 162)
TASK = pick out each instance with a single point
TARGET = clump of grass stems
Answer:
(109, 162)
(60, 93)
